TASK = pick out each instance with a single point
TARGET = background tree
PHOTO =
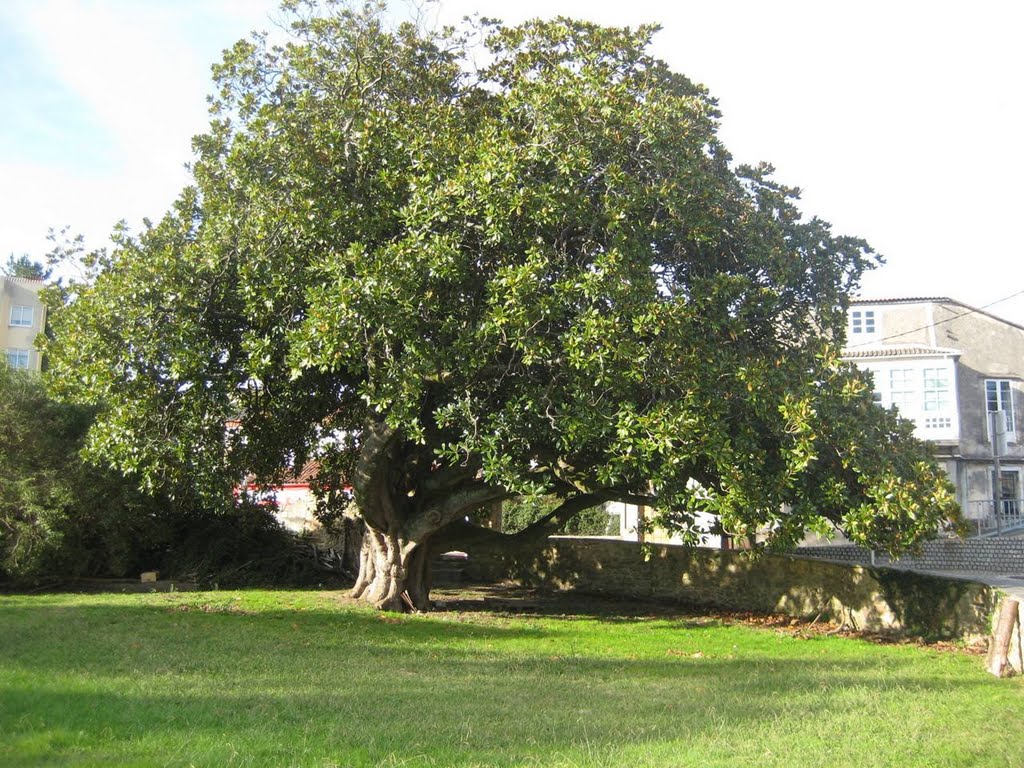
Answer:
(457, 284)
(59, 516)
(23, 266)
(62, 517)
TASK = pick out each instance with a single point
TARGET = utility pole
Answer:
(997, 431)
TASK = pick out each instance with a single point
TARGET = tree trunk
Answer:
(394, 573)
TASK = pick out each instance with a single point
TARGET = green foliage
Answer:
(23, 266)
(62, 517)
(520, 512)
(59, 516)
(244, 545)
(544, 274)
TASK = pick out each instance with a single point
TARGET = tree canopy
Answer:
(23, 266)
(455, 283)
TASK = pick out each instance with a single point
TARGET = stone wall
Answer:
(970, 555)
(863, 598)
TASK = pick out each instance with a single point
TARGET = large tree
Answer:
(456, 283)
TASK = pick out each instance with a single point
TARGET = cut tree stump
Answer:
(998, 662)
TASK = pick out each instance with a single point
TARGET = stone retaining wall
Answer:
(971, 555)
(863, 598)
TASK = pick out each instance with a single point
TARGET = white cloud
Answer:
(139, 71)
(900, 120)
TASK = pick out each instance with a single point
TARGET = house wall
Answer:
(629, 520)
(863, 598)
(296, 507)
(895, 323)
(19, 291)
(990, 348)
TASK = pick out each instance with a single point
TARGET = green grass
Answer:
(305, 679)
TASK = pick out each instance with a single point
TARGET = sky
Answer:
(901, 121)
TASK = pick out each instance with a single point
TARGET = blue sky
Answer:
(901, 121)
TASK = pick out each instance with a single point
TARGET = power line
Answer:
(970, 311)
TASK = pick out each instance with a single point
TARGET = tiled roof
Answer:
(309, 471)
(28, 282)
(899, 350)
(906, 300)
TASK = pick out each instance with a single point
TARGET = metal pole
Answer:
(997, 495)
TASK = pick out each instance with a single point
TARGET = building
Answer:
(293, 501)
(22, 318)
(632, 522)
(958, 373)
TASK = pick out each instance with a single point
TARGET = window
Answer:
(21, 316)
(862, 322)
(17, 358)
(999, 397)
(1009, 491)
(903, 389)
(938, 422)
(936, 389)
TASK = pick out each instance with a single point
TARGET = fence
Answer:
(987, 519)
(975, 555)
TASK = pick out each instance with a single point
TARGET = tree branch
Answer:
(452, 507)
(370, 481)
(462, 534)
(445, 478)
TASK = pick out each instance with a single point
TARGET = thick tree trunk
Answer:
(394, 573)
(404, 506)
(394, 569)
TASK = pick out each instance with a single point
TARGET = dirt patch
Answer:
(513, 600)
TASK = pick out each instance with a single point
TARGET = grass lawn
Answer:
(281, 678)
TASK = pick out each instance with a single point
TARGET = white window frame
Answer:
(863, 323)
(937, 398)
(15, 356)
(1001, 405)
(18, 320)
(904, 382)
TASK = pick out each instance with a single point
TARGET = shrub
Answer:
(62, 518)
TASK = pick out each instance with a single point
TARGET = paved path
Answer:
(1011, 585)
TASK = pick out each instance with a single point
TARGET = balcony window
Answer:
(903, 389)
(937, 389)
